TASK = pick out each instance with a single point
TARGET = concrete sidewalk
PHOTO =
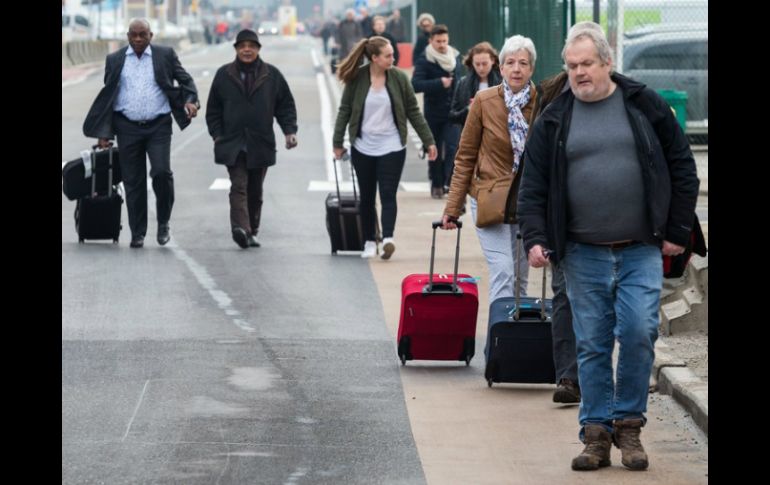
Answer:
(468, 433)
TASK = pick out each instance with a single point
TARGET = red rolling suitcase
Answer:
(438, 313)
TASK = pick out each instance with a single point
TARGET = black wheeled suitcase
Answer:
(77, 175)
(97, 216)
(343, 218)
(519, 343)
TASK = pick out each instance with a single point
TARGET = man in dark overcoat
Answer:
(245, 96)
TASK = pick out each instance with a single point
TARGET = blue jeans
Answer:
(615, 294)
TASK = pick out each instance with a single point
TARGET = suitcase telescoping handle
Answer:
(345, 157)
(436, 225)
(93, 171)
(518, 287)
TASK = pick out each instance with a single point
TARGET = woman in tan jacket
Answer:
(488, 162)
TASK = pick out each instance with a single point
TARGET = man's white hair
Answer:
(593, 32)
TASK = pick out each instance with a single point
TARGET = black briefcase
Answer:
(75, 184)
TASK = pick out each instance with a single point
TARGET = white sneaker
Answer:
(388, 246)
(370, 249)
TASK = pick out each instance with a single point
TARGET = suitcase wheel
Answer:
(489, 382)
(467, 360)
(115, 241)
(403, 349)
(80, 240)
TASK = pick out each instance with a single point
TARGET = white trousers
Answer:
(498, 243)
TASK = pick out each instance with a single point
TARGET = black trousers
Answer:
(447, 136)
(137, 142)
(564, 347)
(384, 171)
(246, 195)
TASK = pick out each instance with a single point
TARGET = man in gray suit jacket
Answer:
(136, 104)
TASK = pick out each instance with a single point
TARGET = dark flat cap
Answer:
(247, 34)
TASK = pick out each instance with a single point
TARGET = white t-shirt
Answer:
(483, 85)
(379, 133)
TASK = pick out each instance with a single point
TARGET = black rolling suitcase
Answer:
(343, 218)
(97, 215)
(519, 343)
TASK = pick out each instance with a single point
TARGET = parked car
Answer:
(269, 27)
(673, 60)
(75, 26)
(664, 28)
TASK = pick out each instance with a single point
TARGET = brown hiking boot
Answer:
(597, 451)
(626, 437)
(566, 392)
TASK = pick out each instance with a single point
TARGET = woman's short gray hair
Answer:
(593, 32)
(516, 43)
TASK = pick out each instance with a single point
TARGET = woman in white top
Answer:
(375, 106)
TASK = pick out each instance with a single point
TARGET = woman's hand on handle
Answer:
(338, 152)
(432, 152)
(448, 222)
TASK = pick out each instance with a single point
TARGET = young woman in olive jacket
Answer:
(375, 105)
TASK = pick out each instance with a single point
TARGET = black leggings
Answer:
(384, 170)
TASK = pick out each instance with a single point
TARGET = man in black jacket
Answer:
(245, 97)
(135, 103)
(436, 73)
(609, 184)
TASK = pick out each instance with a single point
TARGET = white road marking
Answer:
(220, 184)
(416, 186)
(136, 409)
(326, 127)
(222, 299)
(329, 186)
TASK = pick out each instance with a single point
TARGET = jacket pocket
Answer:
(226, 147)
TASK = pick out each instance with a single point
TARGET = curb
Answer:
(676, 380)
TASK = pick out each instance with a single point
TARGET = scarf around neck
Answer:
(249, 73)
(517, 125)
(447, 61)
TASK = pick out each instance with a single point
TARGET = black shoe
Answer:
(163, 235)
(566, 392)
(240, 237)
(253, 243)
(137, 242)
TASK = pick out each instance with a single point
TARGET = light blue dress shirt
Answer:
(139, 96)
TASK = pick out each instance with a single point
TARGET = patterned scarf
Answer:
(517, 125)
